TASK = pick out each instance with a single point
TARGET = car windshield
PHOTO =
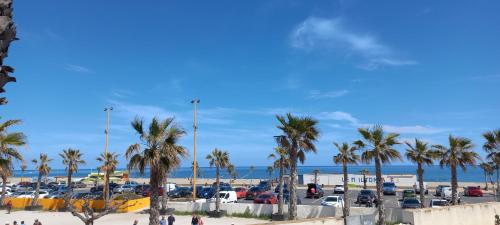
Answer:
(255, 189)
(389, 185)
(238, 189)
(439, 203)
(339, 185)
(222, 195)
(183, 189)
(331, 199)
(366, 192)
(411, 201)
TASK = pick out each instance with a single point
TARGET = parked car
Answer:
(314, 191)
(286, 196)
(366, 197)
(265, 198)
(146, 192)
(132, 183)
(411, 203)
(438, 203)
(416, 187)
(172, 186)
(241, 192)
(54, 195)
(335, 201)
(439, 189)
(446, 194)
(181, 192)
(226, 197)
(78, 184)
(126, 188)
(409, 193)
(265, 185)
(338, 189)
(254, 192)
(206, 192)
(277, 188)
(24, 194)
(473, 191)
(389, 188)
(140, 188)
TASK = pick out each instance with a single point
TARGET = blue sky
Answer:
(423, 69)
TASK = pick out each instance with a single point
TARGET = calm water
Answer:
(432, 173)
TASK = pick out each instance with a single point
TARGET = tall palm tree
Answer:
(281, 161)
(109, 163)
(492, 147)
(364, 172)
(300, 133)
(459, 154)
(379, 147)
(347, 155)
(220, 160)
(9, 142)
(488, 171)
(270, 171)
(420, 154)
(159, 151)
(71, 159)
(42, 165)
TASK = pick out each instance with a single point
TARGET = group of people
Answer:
(37, 222)
(195, 220)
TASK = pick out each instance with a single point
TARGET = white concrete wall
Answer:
(401, 180)
(469, 214)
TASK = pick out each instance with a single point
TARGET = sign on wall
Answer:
(403, 180)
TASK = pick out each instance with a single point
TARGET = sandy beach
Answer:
(65, 218)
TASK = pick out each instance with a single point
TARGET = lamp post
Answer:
(106, 185)
(195, 103)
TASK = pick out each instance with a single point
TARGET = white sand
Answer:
(65, 218)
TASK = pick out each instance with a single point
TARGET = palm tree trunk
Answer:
(164, 198)
(454, 184)
(154, 211)
(485, 181)
(106, 186)
(70, 186)
(282, 183)
(498, 183)
(37, 190)
(292, 207)
(4, 189)
(420, 172)
(364, 181)
(346, 207)
(380, 201)
(217, 189)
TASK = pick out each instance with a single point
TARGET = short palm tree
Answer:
(9, 142)
(281, 161)
(420, 154)
(364, 172)
(300, 133)
(71, 159)
(159, 151)
(492, 147)
(270, 171)
(42, 165)
(220, 160)
(458, 154)
(379, 147)
(488, 171)
(347, 155)
(109, 162)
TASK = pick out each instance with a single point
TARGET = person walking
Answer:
(9, 206)
(37, 222)
(200, 222)
(171, 219)
(163, 221)
(22, 223)
(194, 220)
(136, 222)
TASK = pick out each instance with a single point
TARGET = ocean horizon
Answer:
(431, 173)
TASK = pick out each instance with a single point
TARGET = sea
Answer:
(431, 173)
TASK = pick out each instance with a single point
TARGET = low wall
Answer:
(55, 204)
(468, 214)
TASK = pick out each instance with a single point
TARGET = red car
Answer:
(254, 192)
(241, 192)
(266, 198)
(473, 191)
(146, 192)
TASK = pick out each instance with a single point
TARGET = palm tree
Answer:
(364, 172)
(492, 147)
(301, 133)
(9, 142)
(316, 173)
(460, 154)
(71, 159)
(109, 162)
(220, 160)
(420, 154)
(23, 169)
(488, 171)
(347, 155)
(42, 165)
(159, 151)
(270, 171)
(281, 162)
(379, 147)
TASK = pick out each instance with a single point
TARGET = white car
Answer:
(446, 194)
(438, 203)
(25, 194)
(335, 201)
(226, 197)
(31, 194)
(338, 189)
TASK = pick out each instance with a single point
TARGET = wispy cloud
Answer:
(416, 129)
(316, 94)
(319, 33)
(78, 68)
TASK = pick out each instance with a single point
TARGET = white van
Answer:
(446, 194)
(226, 197)
(169, 187)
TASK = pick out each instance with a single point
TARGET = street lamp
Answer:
(195, 103)
(106, 185)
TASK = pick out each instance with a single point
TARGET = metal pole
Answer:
(194, 102)
(106, 188)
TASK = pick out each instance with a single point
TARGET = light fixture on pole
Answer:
(195, 102)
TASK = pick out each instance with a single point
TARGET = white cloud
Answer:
(78, 68)
(319, 33)
(417, 129)
(316, 94)
(339, 116)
